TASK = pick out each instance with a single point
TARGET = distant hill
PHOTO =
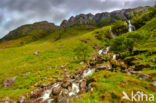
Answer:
(35, 31)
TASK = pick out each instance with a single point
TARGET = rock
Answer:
(56, 90)
(27, 101)
(26, 74)
(37, 52)
(129, 73)
(63, 100)
(83, 86)
(79, 72)
(36, 93)
(125, 82)
(38, 101)
(22, 99)
(66, 84)
(8, 82)
(65, 92)
(153, 83)
(46, 85)
(143, 76)
(142, 66)
(135, 72)
(63, 66)
(48, 68)
(81, 63)
(103, 67)
(59, 80)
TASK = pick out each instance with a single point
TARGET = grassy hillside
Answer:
(57, 49)
(19, 61)
(108, 86)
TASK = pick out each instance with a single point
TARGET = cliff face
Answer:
(102, 19)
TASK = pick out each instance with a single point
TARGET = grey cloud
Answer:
(14, 13)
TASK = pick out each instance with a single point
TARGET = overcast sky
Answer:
(14, 13)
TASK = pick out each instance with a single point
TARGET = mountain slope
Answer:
(28, 33)
(49, 60)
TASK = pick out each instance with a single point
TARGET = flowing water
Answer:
(100, 52)
(113, 35)
(130, 26)
(46, 94)
(75, 89)
(114, 57)
(106, 51)
(88, 73)
(75, 86)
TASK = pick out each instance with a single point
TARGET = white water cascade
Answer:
(114, 57)
(75, 89)
(107, 50)
(113, 35)
(130, 26)
(88, 72)
(46, 94)
(100, 52)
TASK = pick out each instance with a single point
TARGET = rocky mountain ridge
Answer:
(43, 28)
(105, 17)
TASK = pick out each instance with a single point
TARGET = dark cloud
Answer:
(14, 13)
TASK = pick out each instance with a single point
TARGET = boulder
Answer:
(22, 99)
(144, 77)
(81, 63)
(8, 82)
(103, 67)
(135, 72)
(153, 83)
(36, 93)
(63, 66)
(37, 52)
(83, 86)
(142, 66)
(56, 90)
(66, 84)
(65, 92)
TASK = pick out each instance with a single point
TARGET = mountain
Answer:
(35, 31)
(41, 29)
(103, 19)
(86, 65)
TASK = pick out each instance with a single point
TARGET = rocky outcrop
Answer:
(144, 76)
(8, 82)
(79, 19)
(104, 18)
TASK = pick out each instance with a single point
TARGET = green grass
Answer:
(109, 86)
(56, 50)
(17, 61)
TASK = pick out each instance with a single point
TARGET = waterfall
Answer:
(130, 26)
(113, 35)
(107, 50)
(100, 52)
(114, 57)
